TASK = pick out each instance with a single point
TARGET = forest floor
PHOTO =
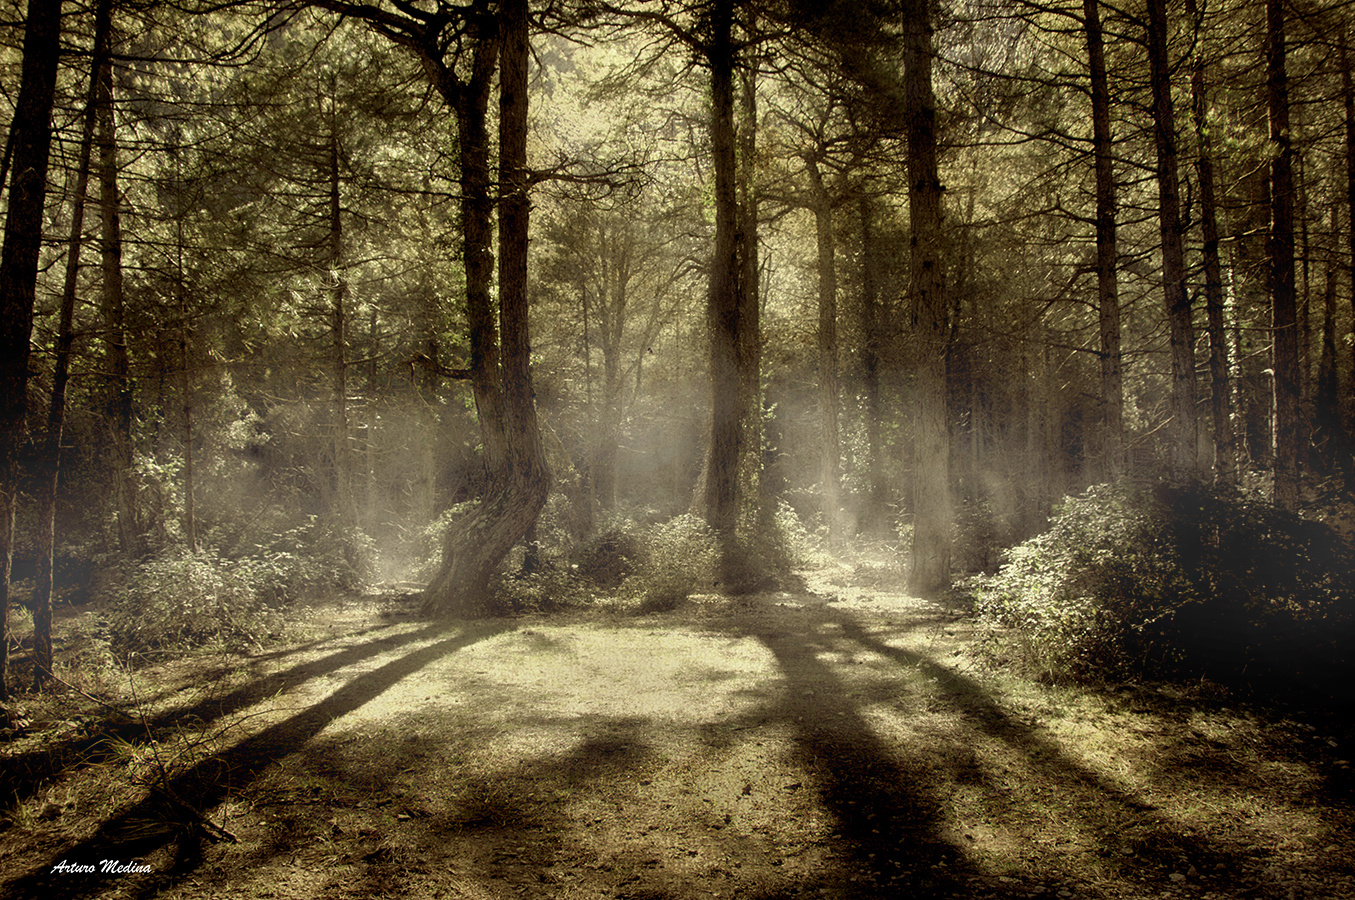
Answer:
(843, 740)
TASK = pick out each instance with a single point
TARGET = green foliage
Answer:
(1178, 582)
(179, 600)
(312, 559)
(611, 557)
(980, 536)
(679, 556)
(432, 538)
(764, 552)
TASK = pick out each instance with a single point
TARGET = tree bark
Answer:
(759, 507)
(1220, 390)
(345, 501)
(1326, 400)
(1107, 252)
(117, 372)
(722, 308)
(500, 519)
(830, 449)
(1184, 430)
(31, 135)
(1284, 312)
(477, 210)
(49, 455)
(190, 514)
(1348, 98)
(932, 506)
(875, 518)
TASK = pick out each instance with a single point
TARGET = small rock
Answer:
(1177, 877)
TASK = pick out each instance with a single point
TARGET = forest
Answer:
(677, 448)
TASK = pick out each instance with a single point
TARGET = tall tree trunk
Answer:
(116, 366)
(477, 235)
(830, 450)
(1348, 97)
(1184, 430)
(612, 300)
(932, 506)
(1225, 443)
(49, 455)
(190, 514)
(1107, 252)
(722, 310)
(345, 501)
(1326, 400)
(758, 507)
(427, 384)
(510, 510)
(875, 517)
(31, 136)
(1288, 439)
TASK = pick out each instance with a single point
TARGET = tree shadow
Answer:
(888, 817)
(1120, 821)
(156, 823)
(26, 773)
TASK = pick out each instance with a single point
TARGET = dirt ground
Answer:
(841, 741)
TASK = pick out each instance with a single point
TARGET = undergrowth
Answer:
(1178, 582)
(232, 591)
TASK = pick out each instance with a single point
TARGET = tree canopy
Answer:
(455, 289)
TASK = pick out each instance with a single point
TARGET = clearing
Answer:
(844, 740)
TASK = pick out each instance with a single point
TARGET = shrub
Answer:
(980, 536)
(180, 600)
(611, 557)
(285, 565)
(678, 557)
(1178, 582)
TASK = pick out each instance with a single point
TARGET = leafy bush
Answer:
(611, 557)
(678, 557)
(1178, 582)
(285, 565)
(433, 538)
(980, 536)
(180, 600)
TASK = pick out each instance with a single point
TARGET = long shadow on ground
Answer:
(26, 773)
(888, 816)
(889, 810)
(149, 825)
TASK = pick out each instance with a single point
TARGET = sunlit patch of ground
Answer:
(842, 741)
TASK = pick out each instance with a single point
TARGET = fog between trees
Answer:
(327, 291)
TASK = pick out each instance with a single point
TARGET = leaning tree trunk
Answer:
(480, 540)
(31, 136)
(1184, 428)
(1284, 311)
(1107, 251)
(932, 509)
(49, 455)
